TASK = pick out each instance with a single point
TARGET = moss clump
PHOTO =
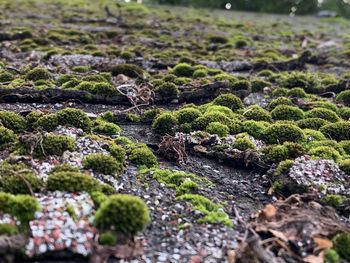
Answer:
(126, 214)
(322, 113)
(333, 200)
(202, 122)
(12, 121)
(165, 123)
(150, 115)
(217, 128)
(280, 92)
(344, 113)
(98, 198)
(6, 77)
(240, 85)
(221, 110)
(344, 97)
(295, 79)
(279, 101)
(71, 182)
(187, 115)
(338, 131)
(130, 70)
(104, 127)
(66, 167)
(200, 73)
(345, 145)
(38, 73)
(255, 128)
(325, 105)
(218, 39)
(54, 145)
(183, 70)
(74, 117)
(143, 156)
(104, 89)
(296, 93)
(312, 123)
(314, 135)
(107, 239)
(48, 122)
(214, 213)
(283, 168)
(230, 101)
(275, 153)
(7, 137)
(102, 163)
(280, 132)
(325, 152)
(167, 90)
(331, 256)
(18, 179)
(8, 229)
(285, 112)
(257, 113)
(341, 244)
(344, 165)
(32, 118)
(243, 143)
(259, 85)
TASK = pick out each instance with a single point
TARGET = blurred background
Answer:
(292, 7)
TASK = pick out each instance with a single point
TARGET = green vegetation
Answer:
(102, 163)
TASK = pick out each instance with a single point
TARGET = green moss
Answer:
(331, 256)
(117, 152)
(296, 93)
(283, 168)
(214, 213)
(164, 124)
(167, 90)
(71, 182)
(74, 117)
(344, 97)
(345, 145)
(325, 152)
(107, 128)
(255, 128)
(129, 70)
(217, 39)
(104, 89)
(295, 79)
(98, 198)
(341, 244)
(200, 73)
(48, 122)
(54, 145)
(322, 113)
(285, 112)
(38, 73)
(81, 69)
(259, 85)
(240, 85)
(66, 167)
(280, 132)
(257, 113)
(183, 70)
(18, 179)
(337, 131)
(102, 163)
(202, 122)
(230, 101)
(333, 200)
(344, 165)
(7, 138)
(187, 115)
(275, 154)
(344, 113)
(280, 92)
(243, 143)
(279, 101)
(221, 110)
(314, 135)
(107, 239)
(12, 121)
(143, 156)
(325, 105)
(123, 213)
(225, 77)
(217, 128)
(312, 123)
(6, 77)
(8, 229)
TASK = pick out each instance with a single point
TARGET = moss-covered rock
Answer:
(257, 113)
(167, 90)
(187, 115)
(279, 101)
(7, 137)
(230, 101)
(164, 124)
(337, 131)
(102, 163)
(285, 112)
(143, 156)
(74, 117)
(38, 73)
(325, 152)
(183, 70)
(104, 127)
(312, 123)
(54, 145)
(280, 132)
(217, 128)
(322, 113)
(12, 121)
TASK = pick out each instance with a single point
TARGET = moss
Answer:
(341, 244)
(344, 113)
(243, 143)
(322, 113)
(33, 117)
(225, 77)
(126, 55)
(167, 90)
(48, 122)
(104, 89)
(283, 168)
(7, 138)
(123, 213)
(325, 152)
(213, 212)
(18, 179)
(295, 79)
(107, 239)
(165, 123)
(38, 73)
(200, 73)
(325, 105)
(331, 256)
(338, 131)
(98, 198)
(66, 167)
(102, 163)
(117, 152)
(187, 187)
(183, 70)
(344, 165)
(344, 97)
(8, 229)
(333, 200)
(150, 115)
(129, 70)
(24, 208)
(280, 92)
(230, 101)
(279, 101)
(285, 112)
(345, 145)
(297, 93)
(218, 39)
(280, 132)
(107, 128)
(202, 122)
(265, 73)
(187, 115)
(54, 145)
(241, 43)
(71, 84)
(255, 128)
(12, 121)
(74, 117)
(143, 156)
(312, 123)
(71, 182)
(259, 85)
(81, 69)
(314, 135)
(6, 77)
(217, 128)
(257, 113)
(240, 85)
(221, 110)
(275, 154)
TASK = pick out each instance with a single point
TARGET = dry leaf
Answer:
(269, 211)
(323, 243)
(279, 235)
(314, 259)
(231, 256)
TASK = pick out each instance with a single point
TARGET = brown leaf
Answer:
(279, 235)
(269, 211)
(231, 256)
(323, 243)
(314, 259)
